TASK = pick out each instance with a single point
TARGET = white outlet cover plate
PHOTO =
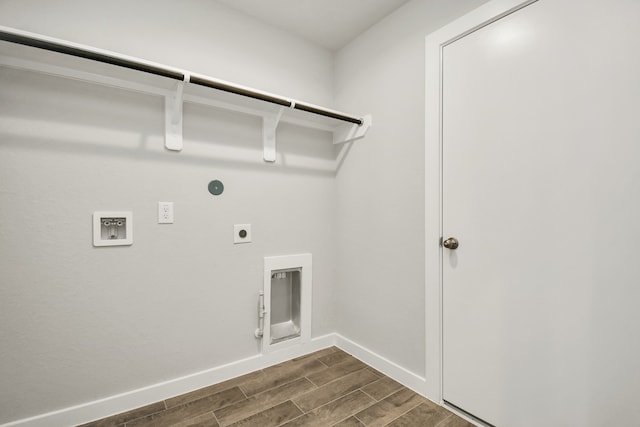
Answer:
(165, 212)
(236, 233)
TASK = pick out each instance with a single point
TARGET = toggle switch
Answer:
(241, 233)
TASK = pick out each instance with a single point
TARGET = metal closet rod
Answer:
(172, 74)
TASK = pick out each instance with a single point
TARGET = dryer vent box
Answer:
(287, 301)
(286, 298)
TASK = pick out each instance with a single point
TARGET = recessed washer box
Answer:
(112, 228)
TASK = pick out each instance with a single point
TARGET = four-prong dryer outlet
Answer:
(242, 233)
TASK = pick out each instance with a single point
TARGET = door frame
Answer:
(435, 42)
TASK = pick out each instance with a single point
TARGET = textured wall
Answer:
(198, 35)
(79, 323)
(381, 301)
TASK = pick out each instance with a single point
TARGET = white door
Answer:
(541, 186)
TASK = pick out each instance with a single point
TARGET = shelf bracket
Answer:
(173, 118)
(350, 132)
(269, 126)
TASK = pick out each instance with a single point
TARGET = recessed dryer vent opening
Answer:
(286, 303)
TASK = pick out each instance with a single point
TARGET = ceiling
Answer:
(328, 23)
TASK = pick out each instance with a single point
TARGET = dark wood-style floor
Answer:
(326, 388)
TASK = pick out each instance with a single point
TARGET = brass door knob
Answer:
(450, 243)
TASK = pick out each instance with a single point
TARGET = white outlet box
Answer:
(241, 233)
(165, 212)
(112, 228)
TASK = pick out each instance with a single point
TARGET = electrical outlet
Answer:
(241, 233)
(165, 212)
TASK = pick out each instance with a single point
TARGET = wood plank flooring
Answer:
(325, 388)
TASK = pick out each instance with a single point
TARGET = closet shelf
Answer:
(34, 52)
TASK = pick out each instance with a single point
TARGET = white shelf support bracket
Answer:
(173, 118)
(350, 132)
(269, 126)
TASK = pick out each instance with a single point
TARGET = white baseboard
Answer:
(390, 369)
(144, 396)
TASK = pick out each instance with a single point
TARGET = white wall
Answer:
(79, 323)
(196, 35)
(380, 294)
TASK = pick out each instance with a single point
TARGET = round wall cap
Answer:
(216, 187)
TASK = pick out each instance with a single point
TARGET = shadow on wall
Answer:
(43, 112)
